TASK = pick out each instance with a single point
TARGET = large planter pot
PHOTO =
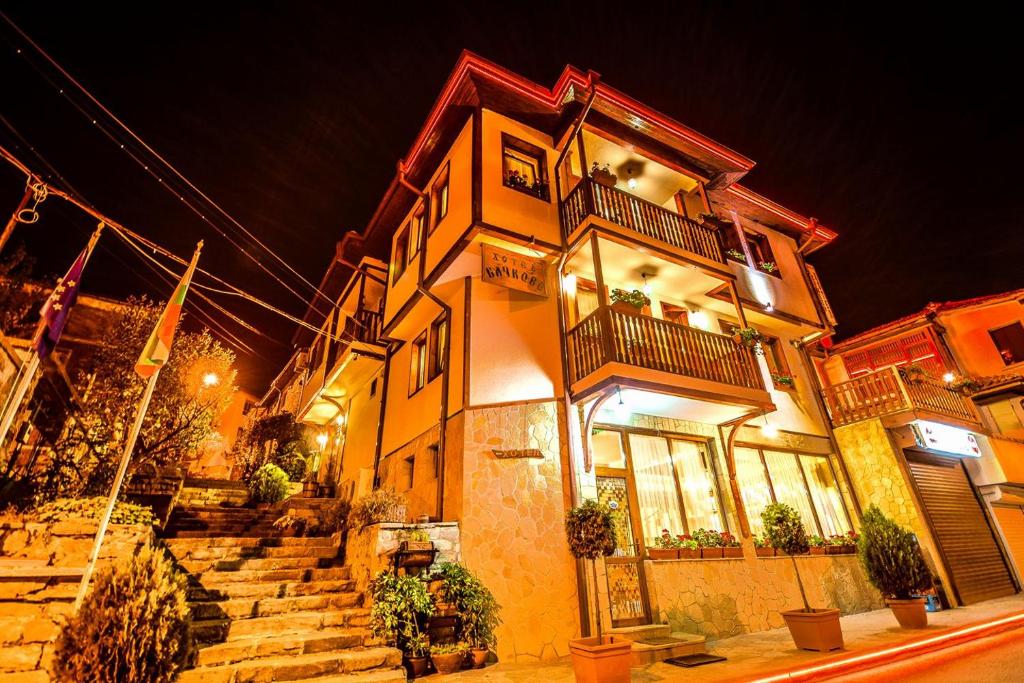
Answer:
(711, 553)
(624, 307)
(310, 489)
(734, 552)
(415, 666)
(601, 660)
(449, 663)
(606, 178)
(477, 657)
(910, 613)
(663, 553)
(689, 553)
(817, 630)
(765, 552)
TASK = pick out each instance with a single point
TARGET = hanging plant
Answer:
(635, 298)
(748, 337)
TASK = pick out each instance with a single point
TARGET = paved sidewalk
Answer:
(757, 654)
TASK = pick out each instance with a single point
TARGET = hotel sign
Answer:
(939, 437)
(510, 453)
(515, 271)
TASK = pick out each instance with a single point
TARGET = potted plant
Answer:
(590, 530)
(783, 381)
(290, 525)
(401, 604)
(895, 566)
(731, 546)
(629, 302)
(688, 548)
(762, 547)
(665, 547)
(415, 549)
(816, 544)
(747, 337)
(447, 658)
(310, 486)
(710, 543)
(768, 266)
(736, 255)
(602, 175)
(913, 373)
(811, 629)
(475, 603)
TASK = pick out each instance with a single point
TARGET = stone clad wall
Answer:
(513, 521)
(32, 610)
(367, 551)
(722, 598)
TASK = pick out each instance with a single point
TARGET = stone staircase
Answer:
(206, 521)
(656, 642)
(275, 609)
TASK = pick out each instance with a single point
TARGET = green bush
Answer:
(134, 626)
(92, 508)
(291, 458)
(334, 517)
(269, 484)
(891, 557)
(381, 505)
(474, 602)
(590, 529)
(401, 604)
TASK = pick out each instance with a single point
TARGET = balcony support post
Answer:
(602, 301)
(735, 296)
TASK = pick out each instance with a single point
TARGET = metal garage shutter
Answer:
(1011, 523)
(965, 539)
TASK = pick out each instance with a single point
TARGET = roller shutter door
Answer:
(1011, 523)
(966, 542)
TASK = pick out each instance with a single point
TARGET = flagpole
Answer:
(122, 468)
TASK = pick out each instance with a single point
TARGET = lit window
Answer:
(758, 245)
(1009, 341)
(439, 198)
(418, 364)
(438, 337)
(400, 256)
(524, 167)
(416, 232)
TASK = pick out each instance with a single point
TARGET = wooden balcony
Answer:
(609, 343)
(885, 392)
(639, 216)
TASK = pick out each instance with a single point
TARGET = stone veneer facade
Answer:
(368, 550)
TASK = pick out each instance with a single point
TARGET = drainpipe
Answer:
(446, 370)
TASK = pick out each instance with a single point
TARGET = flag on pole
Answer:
(158, 348)
(53, 316)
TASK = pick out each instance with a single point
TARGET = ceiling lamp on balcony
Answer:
(769, 430)
(631, 182)
(647, 286)
(622, 411)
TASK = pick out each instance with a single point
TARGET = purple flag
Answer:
(54, 314)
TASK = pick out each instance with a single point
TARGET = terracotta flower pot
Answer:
(624, 307)
(663, 553)
(711, 553)
(734, 552)
(478, 657)
(415, 666)
(910, 613)
(449, 663)
(835, 550)
(601, 660)
(817, 550)
(689, 553)
(817, 630)
(765, 552)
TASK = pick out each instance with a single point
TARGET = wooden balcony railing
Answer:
(885, 392)
(639, 215)
(607, 336)
(367, 325)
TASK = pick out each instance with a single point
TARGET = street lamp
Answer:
(211, 379)
(321, 439)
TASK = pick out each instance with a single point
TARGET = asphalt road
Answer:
(996, 659)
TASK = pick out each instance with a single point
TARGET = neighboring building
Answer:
(928, 416)
(507, 384)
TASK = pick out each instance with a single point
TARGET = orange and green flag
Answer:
(158, 347)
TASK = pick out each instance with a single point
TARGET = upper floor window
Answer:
(1009, 341)
(439, 198)
(775, 357)
(418, 364)
(400, 256)
(438, 338)
(524, 167)
(758, 245)
(416, 231)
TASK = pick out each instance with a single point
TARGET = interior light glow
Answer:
(769, 430)
(569, 284)
(948, 377)
(699, 319)
(321, 439)
(631, 183)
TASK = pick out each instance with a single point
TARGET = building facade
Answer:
(928, 416)
(574, 298)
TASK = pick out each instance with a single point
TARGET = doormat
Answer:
(690, 661)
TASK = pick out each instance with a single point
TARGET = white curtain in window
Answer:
(657, 499)
(753, 486)
(700, 504)
(788, 483)
(825, 494)
(586, 302)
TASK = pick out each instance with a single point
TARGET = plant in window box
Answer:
(665, 547)
(768, 266)
(629, 301)
(749, 338)
(762, 547)
(603, 175)
(783, 381)
(736, 255)
(811, 629)
(731, 546)
(965, 386)
(816, 544)
(688, 548)
(540, 190)
(516, 180)
(913, 373)
(710, 542)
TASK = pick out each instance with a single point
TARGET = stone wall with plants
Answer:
(369, 548)
(32, 610)
(722, 598)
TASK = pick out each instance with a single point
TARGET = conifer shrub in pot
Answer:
(401, 606)
(590, 530)
(476, 606)
(133, 627)
(893, 561)
(811, 629)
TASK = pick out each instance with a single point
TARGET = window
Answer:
(416, 232)
(775, 358)
(435, 458)
(524, 167)
(400, 258)
(675, 314)
(373, 387)
(586, 298)
(804, 482)
(418, 364)
(439, 198)
(756, 243)
(438, 338)
(408, 471)
(1009, 341)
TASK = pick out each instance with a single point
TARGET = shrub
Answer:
(891, 557)
(92, 508)
(449, 648)
(381, 505)
(590, 530)
(400, 604)
(334, 517)
(269, 484)
(134, 626)
(784, 531)
(292, 459)
(473, 601)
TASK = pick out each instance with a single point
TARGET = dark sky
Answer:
(897, 129)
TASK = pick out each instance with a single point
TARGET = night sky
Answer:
(901, 132)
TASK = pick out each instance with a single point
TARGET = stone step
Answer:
(254, 552)
(377, 676)
(246, 541)
(251, 608)
(660, 648)
(327, 640)
(201, 533)
(297, 667)
(263, 563)
(641, 632)
(214, 577)
(223, 629)
(267, 589)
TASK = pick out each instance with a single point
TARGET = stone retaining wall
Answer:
(367, 551)
(32, 610)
